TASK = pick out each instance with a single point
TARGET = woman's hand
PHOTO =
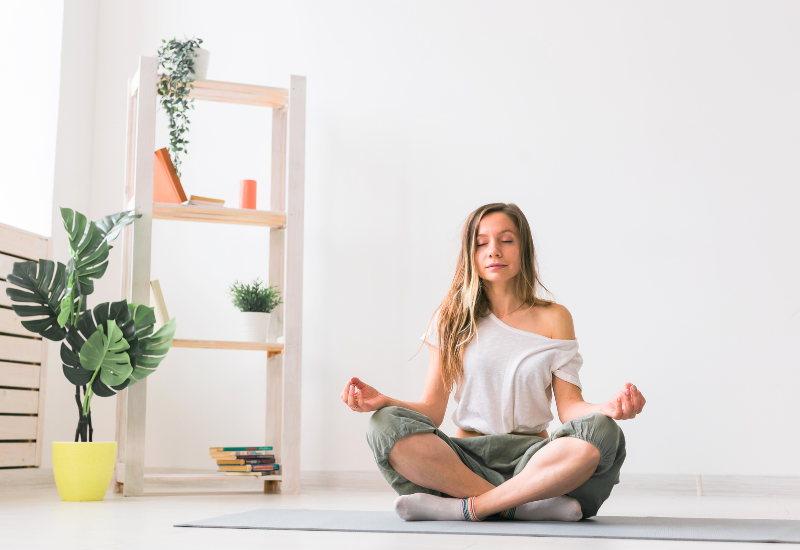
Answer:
(361, 397)
(625, 404)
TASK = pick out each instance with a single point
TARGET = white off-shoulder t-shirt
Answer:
(508, 375)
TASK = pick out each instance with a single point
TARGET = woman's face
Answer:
(497, 248)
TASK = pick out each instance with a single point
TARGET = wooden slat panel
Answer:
(22, 243)
(10, 323)
(28, 350)
(17, 454)
(18, 427)
(7, 264)
(4, 300)
(19, 376)
(19, 401)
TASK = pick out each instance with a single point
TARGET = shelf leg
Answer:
(293, 292)
(274, 424)
(272, 486)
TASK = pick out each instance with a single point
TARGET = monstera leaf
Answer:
(107, 351)
(89, 261)
(153, 350)
(110, 226)
(84, 328)
(44, 287)
(143, 319)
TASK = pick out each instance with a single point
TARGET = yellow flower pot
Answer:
(83, 470)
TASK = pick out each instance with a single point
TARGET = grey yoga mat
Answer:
(604, 527)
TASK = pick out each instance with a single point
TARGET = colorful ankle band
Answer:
(469, 510)
(507, 514)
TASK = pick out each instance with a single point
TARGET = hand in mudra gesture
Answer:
(625, 404)
(361, 397)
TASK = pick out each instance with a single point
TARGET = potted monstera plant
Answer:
(103, 350)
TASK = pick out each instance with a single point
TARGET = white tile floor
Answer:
(33, 516)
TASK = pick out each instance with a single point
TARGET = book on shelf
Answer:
(166, 183)
(233, 449)
(250, 473)
(244, 457)
(248, 467)
(241, 454)
(205, 201)
(264, 467)
(265, 460)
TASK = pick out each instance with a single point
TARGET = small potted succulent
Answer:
(103, 351)
(255, 301)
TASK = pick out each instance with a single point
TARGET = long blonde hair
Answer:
(466, 300)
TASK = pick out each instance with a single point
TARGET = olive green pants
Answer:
(498, 458)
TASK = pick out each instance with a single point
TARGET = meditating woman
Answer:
(508, 352)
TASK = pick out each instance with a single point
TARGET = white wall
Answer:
(72, 189)
(30, 42)
(651, 146)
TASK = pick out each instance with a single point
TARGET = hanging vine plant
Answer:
(176, 57)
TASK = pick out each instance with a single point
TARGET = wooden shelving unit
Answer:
(285, 220)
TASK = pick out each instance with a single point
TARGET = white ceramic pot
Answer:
(201, 63)
(255, 326)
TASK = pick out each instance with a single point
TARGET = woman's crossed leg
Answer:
(536, 493)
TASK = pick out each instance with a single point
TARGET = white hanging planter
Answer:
(201, 63)
(255, 325)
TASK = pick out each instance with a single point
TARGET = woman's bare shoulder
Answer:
(559, 319)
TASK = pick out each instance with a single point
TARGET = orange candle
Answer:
(247, 194)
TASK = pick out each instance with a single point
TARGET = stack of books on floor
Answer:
(245, 461)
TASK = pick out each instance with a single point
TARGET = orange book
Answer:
(166, 183)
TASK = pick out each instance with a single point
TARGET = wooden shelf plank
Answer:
(227, 344)
(235, 216)
(244, 94)
(206, 477)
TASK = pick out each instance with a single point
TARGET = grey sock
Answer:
(561, 508)
(422, 506)
(425, 507)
